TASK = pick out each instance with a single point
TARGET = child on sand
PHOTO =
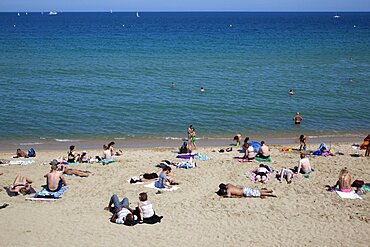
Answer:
(238, 139)
(302, 142)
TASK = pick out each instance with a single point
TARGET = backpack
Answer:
(31, 152)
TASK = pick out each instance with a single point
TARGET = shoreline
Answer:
(152, 142)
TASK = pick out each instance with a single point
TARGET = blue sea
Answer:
(109, 75)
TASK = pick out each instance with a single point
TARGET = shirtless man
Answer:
(21, 185)
(54, 179)
(69, 171)
(230, 190)
(264, 151)
(304, 165)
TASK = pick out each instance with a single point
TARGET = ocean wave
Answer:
(66, 140)
(119, 138)
(173, 138)
(30, 143)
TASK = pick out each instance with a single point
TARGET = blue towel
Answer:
(47, 194)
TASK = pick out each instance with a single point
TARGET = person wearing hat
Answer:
(297, 118)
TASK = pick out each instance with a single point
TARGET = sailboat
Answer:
(111, 11)
(137, 14)
(53, 13)
(19, 14)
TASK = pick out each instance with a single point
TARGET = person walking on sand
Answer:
(297, 118)
(303, 143)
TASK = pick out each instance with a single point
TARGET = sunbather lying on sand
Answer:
(286, 174)
(232, 191)
(146, 177)
(21, 185)
(69, 171)
(122, 214)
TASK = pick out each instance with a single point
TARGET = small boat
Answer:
(19, 14)
(111, 11)
(137, 14)
(53, 13)
(336, 16)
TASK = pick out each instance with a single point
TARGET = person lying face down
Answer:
(231, 191)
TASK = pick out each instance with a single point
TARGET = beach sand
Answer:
(303, 214)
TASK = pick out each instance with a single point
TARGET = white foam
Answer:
(66, 140)
(173, 138)
(30, 143)
(119, 138)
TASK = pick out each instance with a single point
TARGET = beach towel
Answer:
(185, 156)
(152, 186)
(11, 194)
(244, 160)
(186, 165)
(135, 178)
(19, 162)
(263, 159)
(201, 157)
(53, 195)
(347, 195)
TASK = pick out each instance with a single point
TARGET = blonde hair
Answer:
(343, 173)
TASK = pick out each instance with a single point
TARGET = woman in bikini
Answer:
(21, 185)
(344, 182)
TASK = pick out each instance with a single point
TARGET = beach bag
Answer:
(31, 152)
(358, 183)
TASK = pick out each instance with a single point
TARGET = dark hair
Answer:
(301, 136)
(71, 147)
(111, 144)
(222, 190)
(246, 139)
(143, 196)
(302, 155)
(262, 142)
(105, 147)
(167, 168)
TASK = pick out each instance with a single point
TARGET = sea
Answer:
(72, 77)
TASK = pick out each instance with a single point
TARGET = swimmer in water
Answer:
(291, 92)
(202, 89)
(173, 85)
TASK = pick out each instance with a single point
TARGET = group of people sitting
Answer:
(123, 214)
(250, 154)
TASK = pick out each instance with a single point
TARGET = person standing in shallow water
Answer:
(297, 118)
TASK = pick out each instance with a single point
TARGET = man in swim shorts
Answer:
(297, 118)
(230, 190)
(54, 179)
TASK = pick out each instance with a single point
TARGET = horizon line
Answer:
(190, 11)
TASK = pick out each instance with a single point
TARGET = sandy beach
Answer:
(303, 214)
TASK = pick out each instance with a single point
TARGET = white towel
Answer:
(348, 195)
(151, 185)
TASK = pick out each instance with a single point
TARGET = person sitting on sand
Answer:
(238, 139)
(297, 118)
(164, 180)
(54, 179)
(264, 151)
(286, 174)
(230, 190)
(84, 158)
(147, 214)
(303, 143)
(304, 166)
(122, 214)
(21, 185)
(249, 152)
(344, 182)
(73, 156)
(365, 145)
(107, 155)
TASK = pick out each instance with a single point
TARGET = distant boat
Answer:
(26, 13)
(336, 16)
(19, 14)
(53, 13)
(111, 11)
(137, 14)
